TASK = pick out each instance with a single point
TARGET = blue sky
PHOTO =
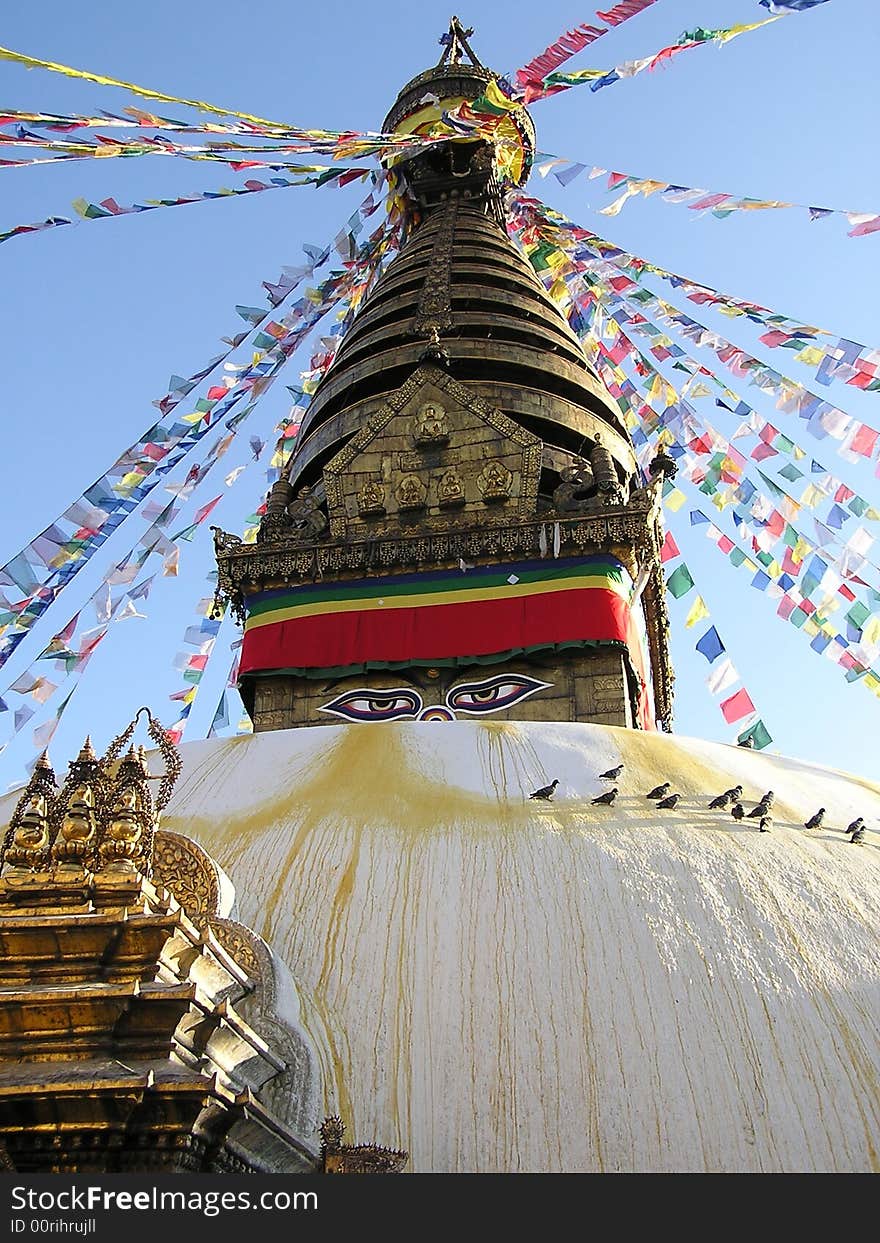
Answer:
(94, 319)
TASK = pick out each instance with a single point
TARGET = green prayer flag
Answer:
(758, 734)
(680, 582)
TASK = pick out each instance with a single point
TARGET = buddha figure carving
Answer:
(431, 427)
(450, 491)
(411, 493)
(77, 835)
(371, 500)
(495, 482)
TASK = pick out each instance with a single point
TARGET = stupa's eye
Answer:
(364, 704)
(493, 694)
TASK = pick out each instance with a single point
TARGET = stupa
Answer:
(486, 980)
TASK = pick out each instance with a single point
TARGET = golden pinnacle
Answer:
(87, 751)
(43, 765)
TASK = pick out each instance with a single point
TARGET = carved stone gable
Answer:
(436, 437)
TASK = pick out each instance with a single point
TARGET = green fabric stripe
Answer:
(318, 592)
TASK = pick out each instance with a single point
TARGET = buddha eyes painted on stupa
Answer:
(404, 704)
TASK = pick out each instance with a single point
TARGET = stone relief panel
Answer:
(435, 451)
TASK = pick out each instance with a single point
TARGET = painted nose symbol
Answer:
(436, 713)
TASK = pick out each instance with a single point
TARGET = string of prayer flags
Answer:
(48, 564)
(852, 362)
(722, 675)
(108, 208)
(597, 79)
(144, 92)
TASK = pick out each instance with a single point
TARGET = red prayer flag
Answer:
(670, 548)
(737, 706)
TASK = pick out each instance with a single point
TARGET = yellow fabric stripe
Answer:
(464, 595)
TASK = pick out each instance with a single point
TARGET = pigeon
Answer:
(735, 793)
(737, 811)
(669, 802)
(659, 791)
(815, 821)
(858, 823)
(763, 807)
(722, 800)
(546, 792)
(607, 798)
(612, 774)
(858, 836)
(764, 826)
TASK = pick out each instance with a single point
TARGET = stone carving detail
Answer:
(450, 490)
(577, 483)
(435, 311)
(371, 500)
(411, 493)
(495, 482)
(189, 873)
(430, 427)
(307, 518)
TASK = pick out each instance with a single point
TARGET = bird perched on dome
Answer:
(722, 800)
(612, 774)
(815, 821)
(608, 797)
(659, 791)
(764, 826)
(737, 811)
(858, 836)
(763, 807)
(669, 802)
(855, 825)
(546, 792)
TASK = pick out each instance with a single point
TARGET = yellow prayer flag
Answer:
(871, 630)
(675, 500)
(812, 496)
(732, 32)
(496, 97)
(697, 612)
(810, 355)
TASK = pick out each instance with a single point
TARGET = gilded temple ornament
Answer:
(340, 1158)
(29, 835)
(495, 482)
(411, 493)
(77, 811)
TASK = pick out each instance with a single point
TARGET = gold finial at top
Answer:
(454, 42)
(87, 751)
(43, 763)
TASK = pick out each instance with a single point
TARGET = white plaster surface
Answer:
(502, 984)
